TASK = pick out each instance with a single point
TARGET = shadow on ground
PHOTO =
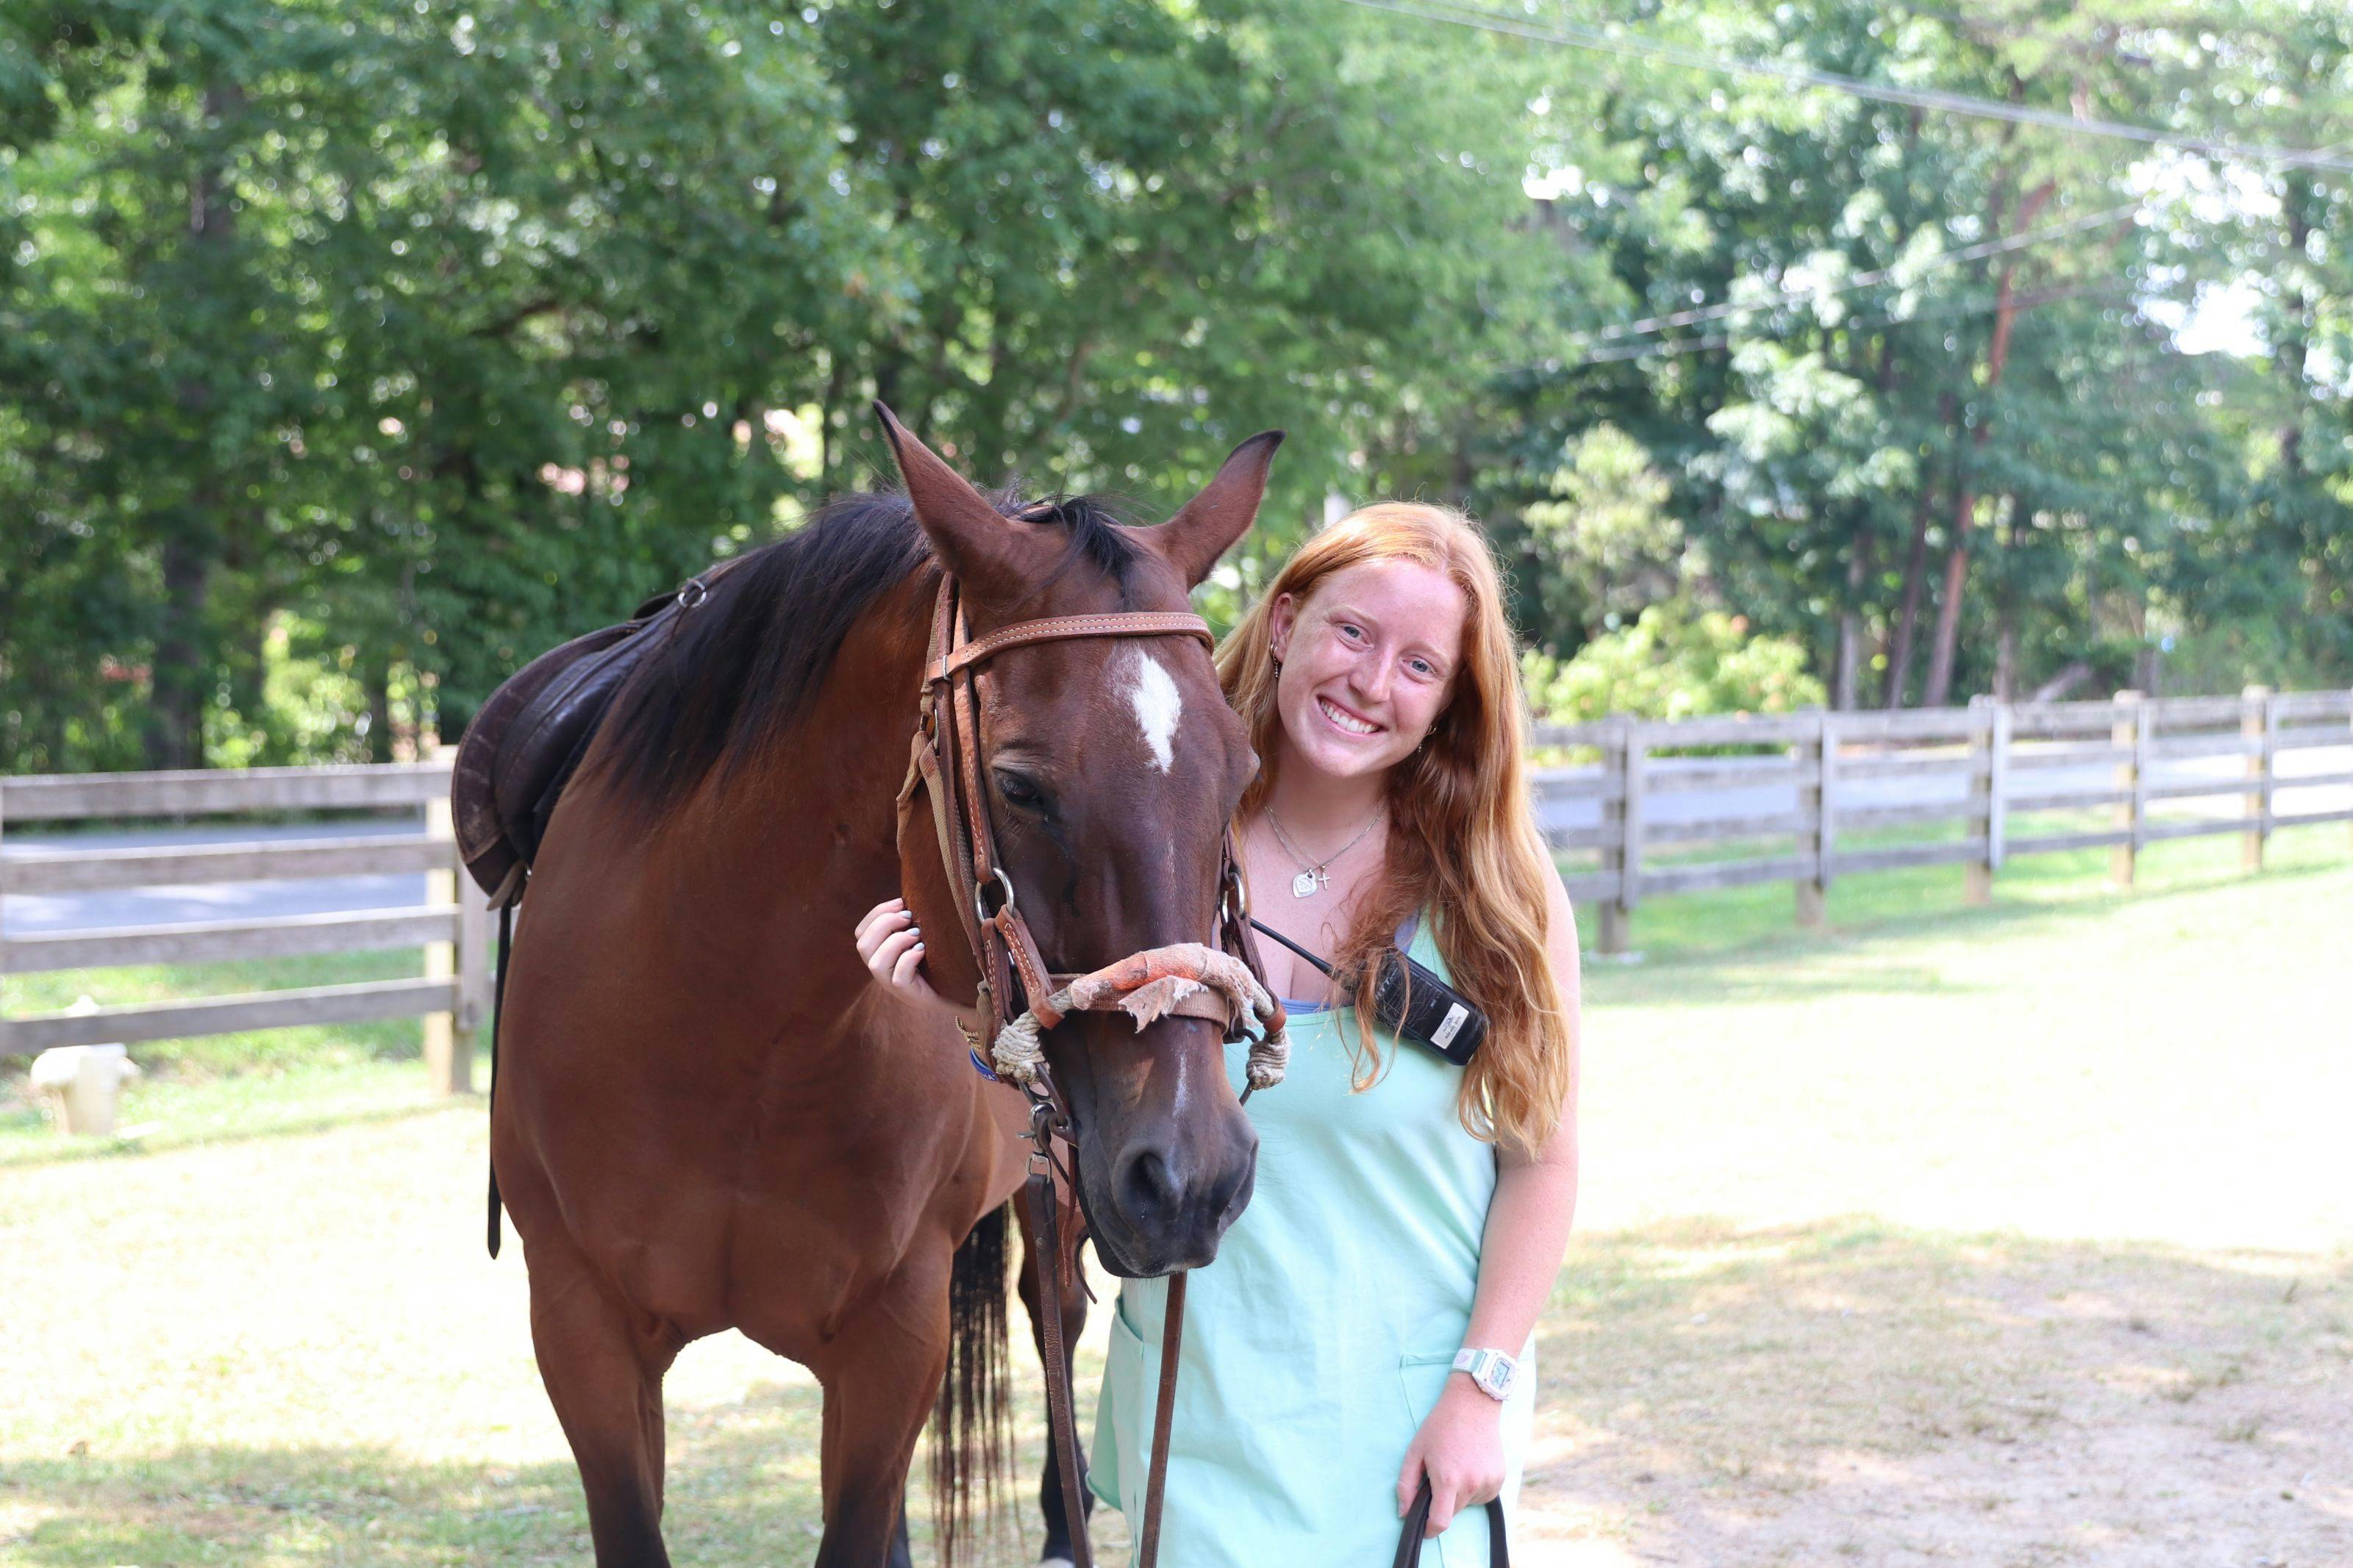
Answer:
(742, 1489)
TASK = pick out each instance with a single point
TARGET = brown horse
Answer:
(708, 1114)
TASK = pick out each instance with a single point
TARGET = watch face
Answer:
(1496, 1376)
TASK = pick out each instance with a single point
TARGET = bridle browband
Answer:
(1224, 983)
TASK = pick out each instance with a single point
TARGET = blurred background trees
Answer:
(350, 355)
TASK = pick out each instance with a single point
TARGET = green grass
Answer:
(1899, 902)
(1945, 1223)
(388, 1040)
(163, 1110)
(224, 1086)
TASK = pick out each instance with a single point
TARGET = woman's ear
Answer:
(1281, 619)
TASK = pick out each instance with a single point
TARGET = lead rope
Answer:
(1156, 1481)
(1062, 1418)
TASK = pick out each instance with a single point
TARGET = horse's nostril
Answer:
(1148, 1194)
(1231, 1191)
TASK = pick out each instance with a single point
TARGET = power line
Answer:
(1978, 252)
(1572, 35)
(1678, 347)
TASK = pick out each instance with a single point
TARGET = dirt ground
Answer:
(1841, 1392)
(2017, 1239)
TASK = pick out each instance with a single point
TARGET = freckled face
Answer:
(1368, 663)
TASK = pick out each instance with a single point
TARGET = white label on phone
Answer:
(1443, 1035)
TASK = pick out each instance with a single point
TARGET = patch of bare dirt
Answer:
(1845, 1393)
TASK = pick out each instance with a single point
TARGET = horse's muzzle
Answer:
(1162, 1203)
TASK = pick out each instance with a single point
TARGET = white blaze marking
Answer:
(1158, 705)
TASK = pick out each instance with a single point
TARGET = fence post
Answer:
(2258, 723)
(1816, 770)
(1988, 740)
(1998, 788)
(3, 902)
(450, 1036)
(1613, 935)
(2128, 730)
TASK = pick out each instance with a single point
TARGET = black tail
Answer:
(970, 1425)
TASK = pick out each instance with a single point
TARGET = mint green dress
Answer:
(1323, 1334)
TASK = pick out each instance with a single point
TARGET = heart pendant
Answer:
(1304, 885)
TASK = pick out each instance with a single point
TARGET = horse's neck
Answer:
(817, 806)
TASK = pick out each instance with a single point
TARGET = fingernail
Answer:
(917, 948)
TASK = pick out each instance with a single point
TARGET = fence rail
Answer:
(452, 925)
(1994, 773)
(1800, 798)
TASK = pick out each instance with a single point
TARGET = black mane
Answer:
(732, 674)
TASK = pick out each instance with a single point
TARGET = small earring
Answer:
(1278, 664)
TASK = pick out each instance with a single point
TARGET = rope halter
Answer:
(1185, 979)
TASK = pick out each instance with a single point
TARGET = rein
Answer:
(1224, 983)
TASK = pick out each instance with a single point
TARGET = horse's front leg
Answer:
(881, 1373)
(1074, 1308)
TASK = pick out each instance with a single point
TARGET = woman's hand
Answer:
(1460, 1448)
(892, 949)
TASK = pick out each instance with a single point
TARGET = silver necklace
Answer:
(1313, 878)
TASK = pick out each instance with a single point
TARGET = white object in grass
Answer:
(82, 1085)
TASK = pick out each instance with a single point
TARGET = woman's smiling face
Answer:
(1368, 662)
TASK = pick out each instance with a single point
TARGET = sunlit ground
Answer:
(2016, 1236)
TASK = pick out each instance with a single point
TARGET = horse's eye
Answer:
(1019, 791)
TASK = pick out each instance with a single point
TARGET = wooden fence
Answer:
(452, 925)
(1813, 796)
(1671, 806)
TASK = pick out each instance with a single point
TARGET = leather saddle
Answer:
(525, 743)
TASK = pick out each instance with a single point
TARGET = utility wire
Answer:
(1677, 347)
(1978, 252)
(1570, 35)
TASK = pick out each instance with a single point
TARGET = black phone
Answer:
(1412, 1002)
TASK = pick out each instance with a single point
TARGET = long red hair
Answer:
(1463, 837)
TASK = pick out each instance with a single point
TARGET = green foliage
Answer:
(1605, 543)
(429, 336)
(1672, 663)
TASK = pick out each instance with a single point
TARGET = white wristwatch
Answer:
(1492, 1370)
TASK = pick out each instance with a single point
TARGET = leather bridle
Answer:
(1225, 982)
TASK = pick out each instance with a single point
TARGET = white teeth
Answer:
(1352, 725)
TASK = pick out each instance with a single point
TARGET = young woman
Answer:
(1405, 1209)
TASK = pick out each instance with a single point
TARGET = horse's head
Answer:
(1111, 766)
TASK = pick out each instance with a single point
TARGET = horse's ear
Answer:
(1207, 525)
(992, 554)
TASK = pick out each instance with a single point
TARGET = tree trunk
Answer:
(1965, 500)
(2005, 641)
(377, 676)
(175, 735)
(1907, 614)
(2295, 348)
(1844, 687)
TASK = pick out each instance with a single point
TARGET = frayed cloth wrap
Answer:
(1148, 986)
